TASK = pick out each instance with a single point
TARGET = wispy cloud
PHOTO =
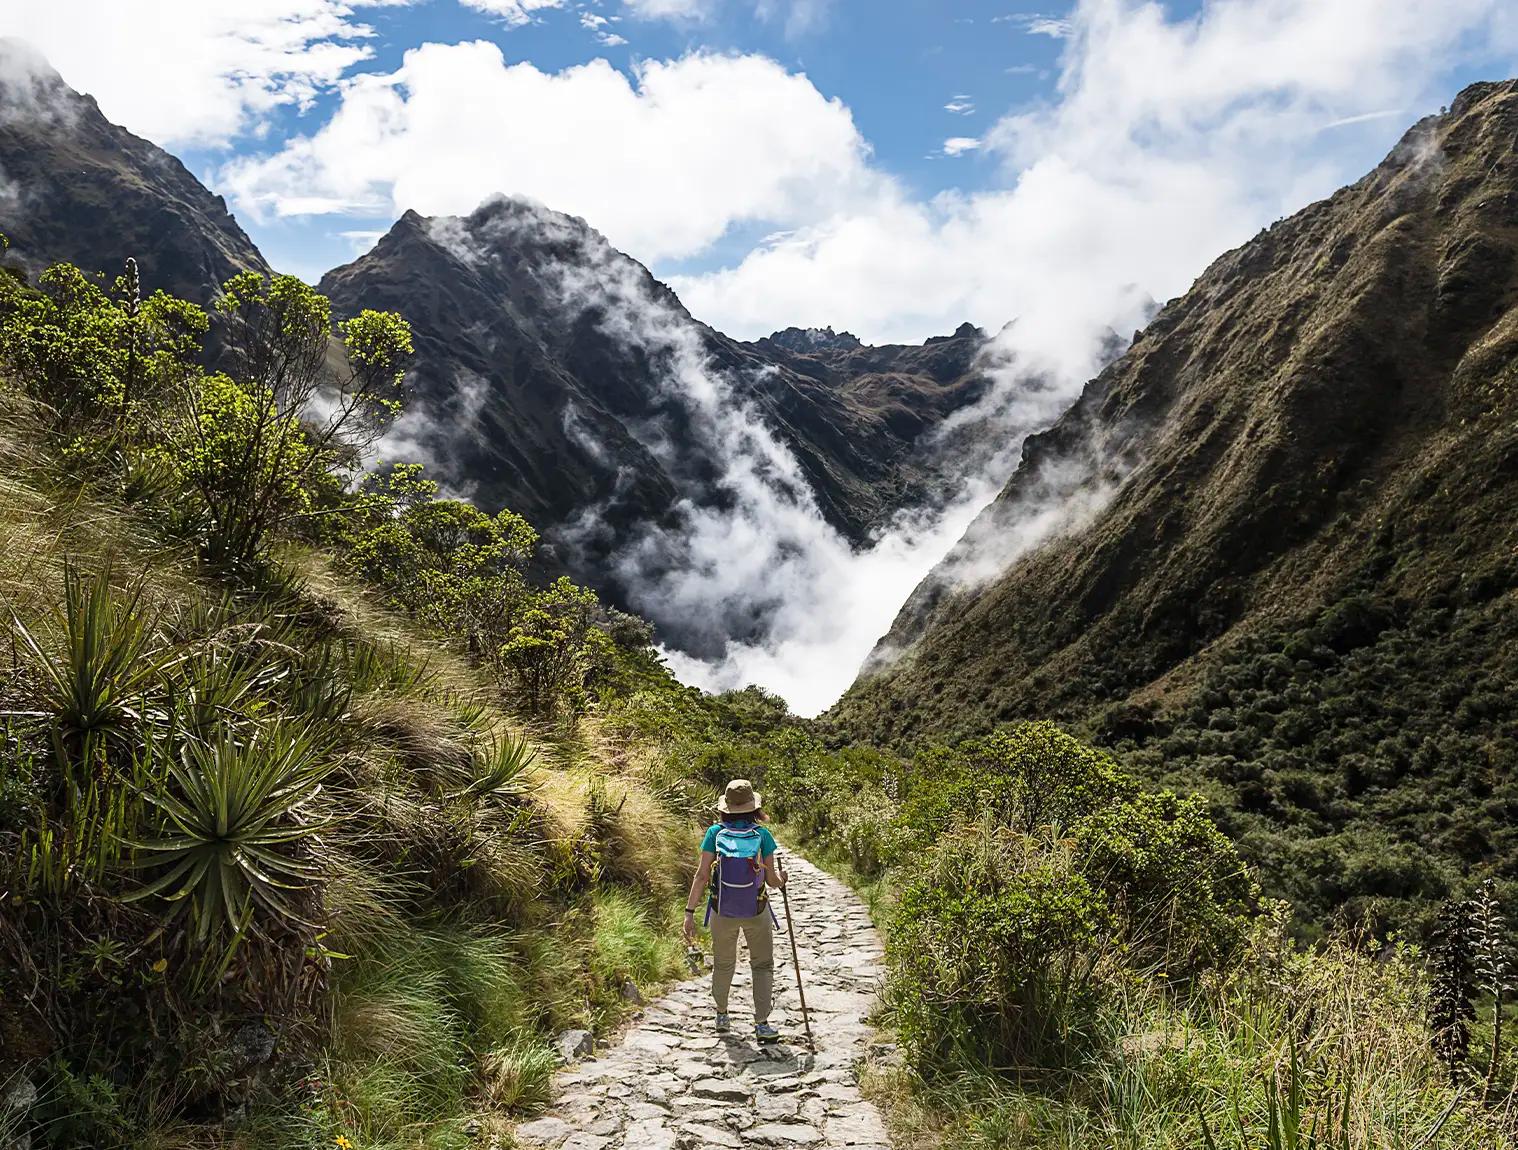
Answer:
(599, 26)
(959, 145)
(960, 106)
(514, 13)
(1362, 118)
(1037, 24)
(360, 240)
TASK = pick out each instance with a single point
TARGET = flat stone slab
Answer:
(673, 1083)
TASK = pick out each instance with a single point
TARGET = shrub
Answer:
(1026, 776)
(997, 937)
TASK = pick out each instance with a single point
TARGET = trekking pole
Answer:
(790, 927)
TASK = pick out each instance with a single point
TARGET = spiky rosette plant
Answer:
(237, 820)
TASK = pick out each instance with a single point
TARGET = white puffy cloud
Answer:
(1167, 141)
(599, 26)
(514, 12)
(663, 163)
(959, 145)
(190, 71)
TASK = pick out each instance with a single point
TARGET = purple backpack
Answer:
(740, 872)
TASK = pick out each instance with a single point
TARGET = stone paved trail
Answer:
(674, 1084)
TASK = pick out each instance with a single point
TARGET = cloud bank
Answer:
(192, 71)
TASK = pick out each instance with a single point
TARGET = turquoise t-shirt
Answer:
(766, 840)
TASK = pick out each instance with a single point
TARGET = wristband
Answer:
(690, 910)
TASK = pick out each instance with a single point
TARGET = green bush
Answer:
(997, 937)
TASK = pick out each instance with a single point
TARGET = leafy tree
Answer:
(252, 446)
(97, 360)
(554, 646)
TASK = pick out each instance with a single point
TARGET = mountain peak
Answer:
(805, 340)
(87, 191)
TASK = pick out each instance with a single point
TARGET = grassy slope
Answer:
(462, 934)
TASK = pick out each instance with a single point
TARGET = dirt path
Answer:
(674, 1084)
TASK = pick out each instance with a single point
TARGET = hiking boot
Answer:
(723, 1025)
(764, 1032)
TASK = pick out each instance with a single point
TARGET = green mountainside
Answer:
(1291, 580)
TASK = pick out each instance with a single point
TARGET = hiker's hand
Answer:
(690, 927)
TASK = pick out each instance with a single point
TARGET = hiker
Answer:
(737, 866)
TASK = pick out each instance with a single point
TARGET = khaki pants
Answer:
(760, 933)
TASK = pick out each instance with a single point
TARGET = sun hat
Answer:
(739, 798)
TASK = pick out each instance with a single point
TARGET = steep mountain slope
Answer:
(75, 187)
(1284, 550)
(557, 377)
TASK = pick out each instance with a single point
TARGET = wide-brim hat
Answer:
(739, 798)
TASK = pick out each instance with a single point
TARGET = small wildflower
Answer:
(160, 966)
(343, 1142)
(1161, 974)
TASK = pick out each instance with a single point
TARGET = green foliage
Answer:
(501, 771)
(233, 828)
(1025, 776)
(253, 447)
(463, 573)
(227, 795)
(110, 657)
(1180, 882)
(553, 646)
(1367, 752)
(96, 360)
(997, 936)
(626, 944)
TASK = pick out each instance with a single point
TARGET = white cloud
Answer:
(959, 145)
(362, 240)
(598, 25)
(798, 17)
(1055, 29)
(1038, 24)
(514, 12)
(1166, 142)
(664, 163)
(189, 71)
(672, 9)
(960, 106)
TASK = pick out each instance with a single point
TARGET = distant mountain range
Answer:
(530, 390)
(554, 376)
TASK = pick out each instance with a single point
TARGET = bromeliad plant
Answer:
(500, 771)
(236, 831)
(110, 659)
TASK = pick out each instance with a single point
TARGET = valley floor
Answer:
(673, 1083)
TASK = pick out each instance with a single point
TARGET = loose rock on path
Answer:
(673, 1083)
